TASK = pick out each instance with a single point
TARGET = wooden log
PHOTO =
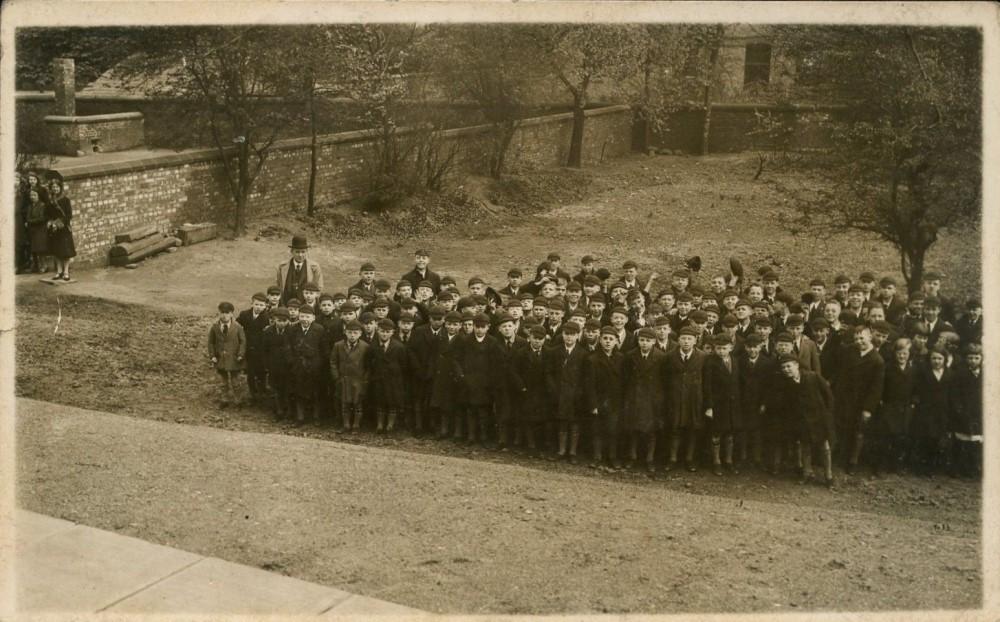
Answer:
(164, 244)
(133, 235)
(199, 232)
(127, 248)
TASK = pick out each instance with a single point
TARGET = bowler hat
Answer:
(354, 325)
(299, 243)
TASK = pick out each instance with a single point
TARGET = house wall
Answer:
(190, 186)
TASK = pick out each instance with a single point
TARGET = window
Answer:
(757, 68)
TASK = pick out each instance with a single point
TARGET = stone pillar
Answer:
(64, 84)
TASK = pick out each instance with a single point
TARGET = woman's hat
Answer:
(51, 175)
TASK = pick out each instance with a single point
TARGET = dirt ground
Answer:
(473, 536)
(132, 342)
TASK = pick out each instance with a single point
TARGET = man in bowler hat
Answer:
(294, 274)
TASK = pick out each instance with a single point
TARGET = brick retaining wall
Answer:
(190, 186)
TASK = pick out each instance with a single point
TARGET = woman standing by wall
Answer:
(38, 236)
(60, 216)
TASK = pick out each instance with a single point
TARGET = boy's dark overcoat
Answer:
(309, 357)
(685, 392)
(532, 375)
(722, 395)
(350, 370)
(565, 379)
(389, 368)
(605, 389)
(754, 381)
(896, 410)
(644, 381)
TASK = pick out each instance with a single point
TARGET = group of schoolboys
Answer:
(742, 373)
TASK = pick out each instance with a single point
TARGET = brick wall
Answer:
(190, 186)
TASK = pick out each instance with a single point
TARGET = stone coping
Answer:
(192, 156)
(93, 118)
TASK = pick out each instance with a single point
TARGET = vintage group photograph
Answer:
(415, 316)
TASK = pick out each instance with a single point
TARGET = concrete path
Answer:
(63, 567)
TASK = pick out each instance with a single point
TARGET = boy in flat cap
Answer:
(933, 318)
(935, 398)
(970, 326)
(930, 285)
(294, 274)
(350, 370)
(758, 370)
(227, 345)
(421, 271)
(722, 403)
(424, 344)
(333, 331)
(809, 397)
(389, 369)
(308, 342)
(480, 364)
(273, 297)
(367, 281)
(310, 295)
(779, 427)
(445, 398)
(643, 379)
(802, 346)
(533, 376)
(684, 370)
(891, 422)
(894, 307)
(278, 360)
(565, 375)
(618, 319)
(507, 400)
(858, 391)
(587, 268)
(513, 287)
(254, 320)
(967, 423)
(605, 395)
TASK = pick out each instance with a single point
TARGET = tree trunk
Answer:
(506, 136)
(706, 127)
(243, 189)
(913, 267)
(645, 125)
(576, 140)
(313, 155)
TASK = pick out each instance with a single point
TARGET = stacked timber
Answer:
(138, 244)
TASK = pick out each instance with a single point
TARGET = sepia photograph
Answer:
(419, 309)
